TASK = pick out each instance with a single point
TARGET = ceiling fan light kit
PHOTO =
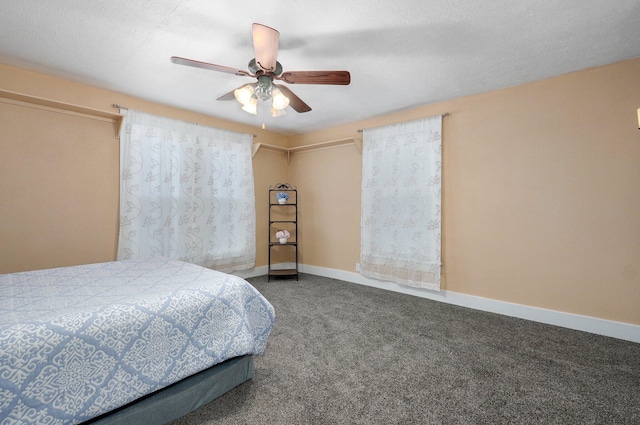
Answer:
(278, 113)
(244, 94)
(265, 68)
(249, 94)
(280, 101)
(251, 106)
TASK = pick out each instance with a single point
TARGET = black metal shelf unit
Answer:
(283, 217)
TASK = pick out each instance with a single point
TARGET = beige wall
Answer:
(59, 174)
(328, 182)
(541, 193)
(269, 168)
(540, 188)
(58, 189)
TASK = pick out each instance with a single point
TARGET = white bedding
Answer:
(77, 342)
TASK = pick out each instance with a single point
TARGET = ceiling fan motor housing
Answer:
(255, 69)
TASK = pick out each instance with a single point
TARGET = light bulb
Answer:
(244, 93)
(280, 101)
(278, 113)
(251, 106)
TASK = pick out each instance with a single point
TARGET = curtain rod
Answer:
(446, 114)
(115, 105)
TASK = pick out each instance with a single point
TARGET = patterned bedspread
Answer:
(76, 342)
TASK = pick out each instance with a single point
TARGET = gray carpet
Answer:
(342, 353)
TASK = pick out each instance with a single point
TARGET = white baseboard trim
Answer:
(255, 272)
(620, 330)
(263, 270)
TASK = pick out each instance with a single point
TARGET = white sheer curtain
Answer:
(401, 203)
(186, 192)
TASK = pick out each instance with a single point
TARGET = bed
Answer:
(136, 341)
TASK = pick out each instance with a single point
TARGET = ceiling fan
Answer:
(265, 68)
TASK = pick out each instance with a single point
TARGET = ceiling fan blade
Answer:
(265, 44)
(209, 66)
(228, 96)
(294, 101)
(342, 78)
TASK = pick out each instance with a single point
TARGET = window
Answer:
(401, 203)
(186, 193)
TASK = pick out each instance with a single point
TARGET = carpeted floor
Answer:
(342, 353)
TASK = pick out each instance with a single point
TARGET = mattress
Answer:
(77, 342)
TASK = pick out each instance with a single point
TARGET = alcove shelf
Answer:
(314, 146)
(36, 102)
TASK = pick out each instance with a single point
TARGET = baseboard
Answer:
(593, 325)
(255, 272)
(263, 270)
(620, 330)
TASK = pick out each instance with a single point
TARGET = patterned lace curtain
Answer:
(186, 192)
(401, 203)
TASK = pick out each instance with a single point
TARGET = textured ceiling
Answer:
(401, 54)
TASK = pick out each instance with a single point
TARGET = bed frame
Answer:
(215, 323)
(182, 397)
